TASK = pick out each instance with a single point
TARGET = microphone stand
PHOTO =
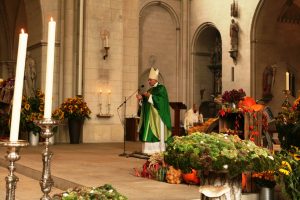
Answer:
(124, 122)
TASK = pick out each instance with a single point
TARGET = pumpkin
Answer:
(191, 178)
(244, 182)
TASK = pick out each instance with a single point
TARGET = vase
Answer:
(75, 130)
(266, 193)
(218, 178)
(33, 138)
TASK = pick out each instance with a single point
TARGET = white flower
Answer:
(225, 166)
(65, 194)
(201, 142)
(271, 157)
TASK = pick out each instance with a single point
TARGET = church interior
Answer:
(235, 61)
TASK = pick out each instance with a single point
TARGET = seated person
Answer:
(192, 117)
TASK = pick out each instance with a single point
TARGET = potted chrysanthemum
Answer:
(76, 111)
(32, 109)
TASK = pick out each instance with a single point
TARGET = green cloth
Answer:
(151, 114)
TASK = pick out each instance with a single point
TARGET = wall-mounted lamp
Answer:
(234, 9)
(105, 37)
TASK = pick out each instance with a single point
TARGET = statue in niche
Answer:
(268, 82)
(216, 53)
(234, 35)
(30, 76)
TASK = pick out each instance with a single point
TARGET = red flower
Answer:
(222, 112)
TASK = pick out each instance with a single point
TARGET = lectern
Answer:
(177, 106)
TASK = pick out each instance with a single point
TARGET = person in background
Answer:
(192, 117)
(155, 120)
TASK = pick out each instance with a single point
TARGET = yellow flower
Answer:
(27, 106)
(41, 108)
(286, 164)
(284, 171)
(296, 156)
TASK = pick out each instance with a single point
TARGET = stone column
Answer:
(68, 49)
(183, 92)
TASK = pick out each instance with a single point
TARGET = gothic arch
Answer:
(273, 43)
(173, 17)
(166, 7)
(34, 23)
(202, 57)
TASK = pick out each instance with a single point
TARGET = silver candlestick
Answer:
(47, 132)
(100, 108)
(13, 155)
(286, 104)
(108, 108)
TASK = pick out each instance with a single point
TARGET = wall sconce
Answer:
(234, 9)
(105, 37)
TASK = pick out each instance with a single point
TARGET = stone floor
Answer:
(92, 165)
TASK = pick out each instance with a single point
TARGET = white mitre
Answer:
(153, 73)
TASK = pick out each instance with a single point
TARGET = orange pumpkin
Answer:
(191, 178)
(244, 182)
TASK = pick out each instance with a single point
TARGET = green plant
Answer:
(264, 179)
(32, 109)
(288, 125)
(105, 192)
(288, 172)
(73, 108)
(217, 152)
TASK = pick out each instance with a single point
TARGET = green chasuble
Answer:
(151, 114)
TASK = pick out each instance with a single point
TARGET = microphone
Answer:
(126, 99)
(139, 89)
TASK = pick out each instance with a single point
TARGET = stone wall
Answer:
(218, 14)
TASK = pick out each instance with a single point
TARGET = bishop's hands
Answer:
(140, 96)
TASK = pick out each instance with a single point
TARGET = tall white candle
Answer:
(287, 80)
(100, 96)
(106, 41)
(108, 96)
(50, 69)
(18, 89)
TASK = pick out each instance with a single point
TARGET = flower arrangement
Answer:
(32, 109)
(233, 96)
(73, 108)
(288, 125)
(105, 192)
(289, 172)
(234, 118)
(153, 168)
(217, 152)
(264, 179)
